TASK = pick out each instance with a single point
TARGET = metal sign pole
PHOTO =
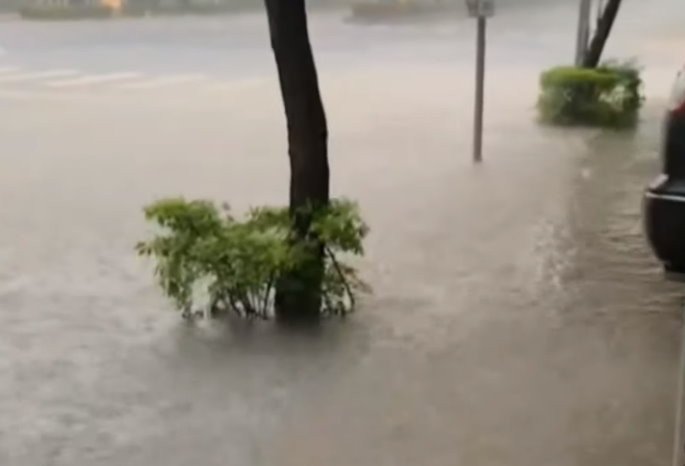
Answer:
(480, 84)
(583, 33)
(481, 10)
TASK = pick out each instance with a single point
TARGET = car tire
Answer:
(674, 268)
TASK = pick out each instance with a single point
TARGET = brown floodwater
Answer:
(517, 316)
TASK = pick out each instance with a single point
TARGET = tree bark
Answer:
(299, 295)
(604, 25)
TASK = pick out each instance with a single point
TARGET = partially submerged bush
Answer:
(206, 255)
(607, 96)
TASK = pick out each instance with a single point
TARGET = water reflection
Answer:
(604, 237)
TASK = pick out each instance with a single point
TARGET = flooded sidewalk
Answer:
(559, 346)
(518, 317)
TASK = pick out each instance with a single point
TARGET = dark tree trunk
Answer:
(604, 25)
(299, 295)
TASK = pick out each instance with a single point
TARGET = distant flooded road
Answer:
(517, 317)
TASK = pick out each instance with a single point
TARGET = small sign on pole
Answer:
(481, 10)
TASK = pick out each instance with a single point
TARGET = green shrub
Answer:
(206, 255)
(608, 96)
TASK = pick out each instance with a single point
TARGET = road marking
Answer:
(165, 81)
(8, 69)
(231, 85)
(94, 79)
(11, 77)
(32, 96)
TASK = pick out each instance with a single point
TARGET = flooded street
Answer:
(517, 317)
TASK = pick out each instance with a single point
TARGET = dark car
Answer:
(664, 199)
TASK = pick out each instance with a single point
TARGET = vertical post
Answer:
(480, 81)
(583, 33)
(679, 435)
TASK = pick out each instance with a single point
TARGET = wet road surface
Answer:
(517, 317)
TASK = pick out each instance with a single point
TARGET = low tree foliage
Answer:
(607, 96)
(207, 258)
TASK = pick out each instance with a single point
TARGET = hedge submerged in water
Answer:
(607, 96)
